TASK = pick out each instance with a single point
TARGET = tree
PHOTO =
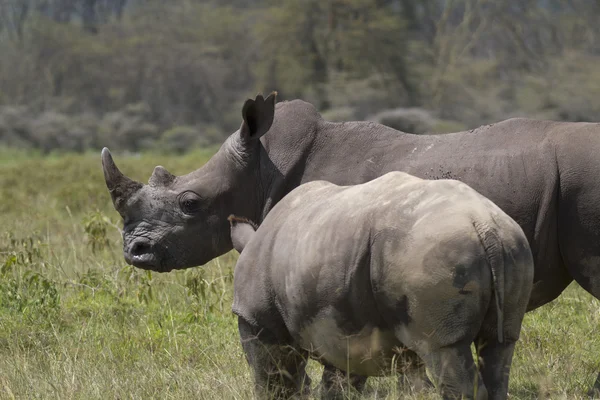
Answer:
(306, 41)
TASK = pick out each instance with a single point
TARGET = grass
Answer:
(77, 323)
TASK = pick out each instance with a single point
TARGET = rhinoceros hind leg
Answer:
(334, 380)
(494, 365)
(412, 374)
(594, 392)
(454, 372)
(279, 369)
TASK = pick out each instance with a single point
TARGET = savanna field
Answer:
(76, 322)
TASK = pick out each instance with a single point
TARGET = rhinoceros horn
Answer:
(161, 177)
(119, 186)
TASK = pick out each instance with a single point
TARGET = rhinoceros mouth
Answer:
(147, 261)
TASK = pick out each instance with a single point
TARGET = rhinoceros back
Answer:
(332, 262)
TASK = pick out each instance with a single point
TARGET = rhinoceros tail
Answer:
(494, 251)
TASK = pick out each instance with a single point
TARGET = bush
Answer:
(340, 114)
(128, 128)
(22, 287)
(52, 130)
(409, 120)
(551, 96)
(181, 139)
(448, 126)
(364, 96)
(47, 131)
(14, 126)
(131, 128)
(178, 139)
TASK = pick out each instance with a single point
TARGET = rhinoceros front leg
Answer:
(279, 369)
(333, 382)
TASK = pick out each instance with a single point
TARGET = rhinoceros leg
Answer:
(455, 373)
(279, 369)
(333, 380)
(594, 392)
(578, 222)
(412, 374)
(494, 366)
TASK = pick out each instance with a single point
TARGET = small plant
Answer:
(41, 291)
(143, 282)
(145, 293)
(206, 295)
(95, 225)
(23, 250)
(22, 287)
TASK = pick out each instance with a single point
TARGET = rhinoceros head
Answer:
(177, 222)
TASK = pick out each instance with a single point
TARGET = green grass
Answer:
(77, 323)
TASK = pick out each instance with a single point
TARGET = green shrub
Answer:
(339, 114)
(95, 225)
(23, 287)
(409, 120)
(178, 139)
(447, 126)
(130, 128)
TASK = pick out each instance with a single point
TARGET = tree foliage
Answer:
(74, 72)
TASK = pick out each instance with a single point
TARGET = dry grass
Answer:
(78, 324)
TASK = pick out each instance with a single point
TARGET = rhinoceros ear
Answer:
(258, 117)
(242, 230)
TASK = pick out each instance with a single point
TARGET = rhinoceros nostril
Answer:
(140, 247)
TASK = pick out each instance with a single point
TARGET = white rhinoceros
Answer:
(350, 274)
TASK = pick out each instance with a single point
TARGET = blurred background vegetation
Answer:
(152, 77)
(170, 75)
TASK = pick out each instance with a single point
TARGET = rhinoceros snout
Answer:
(140, 254)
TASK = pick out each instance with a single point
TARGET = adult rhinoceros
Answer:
(541, 173)
(349, 274)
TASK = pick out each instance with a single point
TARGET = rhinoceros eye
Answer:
(190, 203)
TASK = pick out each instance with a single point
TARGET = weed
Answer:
(95, 225)
(23, 287)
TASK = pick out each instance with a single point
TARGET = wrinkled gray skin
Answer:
(349, 274)
(541, 173)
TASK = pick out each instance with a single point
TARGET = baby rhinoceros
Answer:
(351, 274)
